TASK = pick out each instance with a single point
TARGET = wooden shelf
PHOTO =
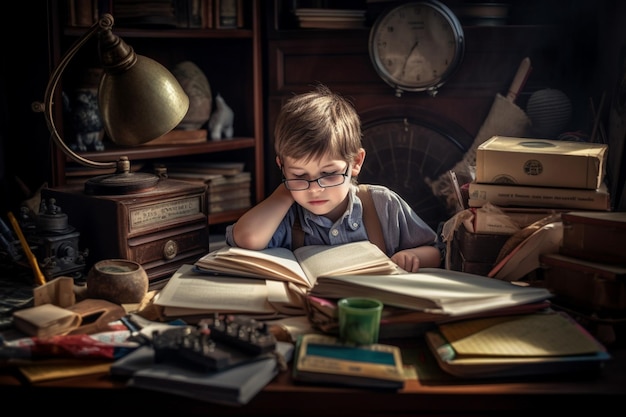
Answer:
(231, 61)
(162, 151)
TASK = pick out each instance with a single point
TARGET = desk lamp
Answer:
(139, 100)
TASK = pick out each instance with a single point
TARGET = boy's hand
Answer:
(407, 259)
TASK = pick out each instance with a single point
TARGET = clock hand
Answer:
(409, 55)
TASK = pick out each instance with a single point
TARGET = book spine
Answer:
(509, 221)
(552, 197)
(233, 204)
(236, 194)
(207, 14)
(226, 14)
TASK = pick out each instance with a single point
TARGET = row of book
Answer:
(182, 14)
(228, 185)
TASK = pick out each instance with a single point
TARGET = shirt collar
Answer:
(352, 218)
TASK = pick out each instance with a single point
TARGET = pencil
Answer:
(29, 254)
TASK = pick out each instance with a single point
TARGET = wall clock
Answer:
(416, 46)
(403, 151)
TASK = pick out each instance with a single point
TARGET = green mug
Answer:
(359, 320)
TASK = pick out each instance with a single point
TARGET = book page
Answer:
(191, 290)
(432, 290)
(541, 334)
(351, 258)
(273, 263)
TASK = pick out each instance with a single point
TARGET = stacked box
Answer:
(541, 162)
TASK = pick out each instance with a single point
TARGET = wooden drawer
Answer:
(160, 229)
(168, 244)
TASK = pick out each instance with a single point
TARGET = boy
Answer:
(318, 150)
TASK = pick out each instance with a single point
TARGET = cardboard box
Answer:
(541, 162)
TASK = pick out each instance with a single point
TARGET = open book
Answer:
(435, 291)
(301, 267)
(432, 290)
(268, 282)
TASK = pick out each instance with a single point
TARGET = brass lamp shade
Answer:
(139, 100)
(132, 103)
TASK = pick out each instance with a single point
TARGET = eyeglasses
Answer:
(325, 181)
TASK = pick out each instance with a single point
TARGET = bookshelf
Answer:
(230, 57)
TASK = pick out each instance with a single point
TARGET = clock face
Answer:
(416, 46)
(401, 153)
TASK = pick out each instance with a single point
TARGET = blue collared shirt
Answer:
(402, 228)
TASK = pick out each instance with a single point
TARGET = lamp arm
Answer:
(105, 22)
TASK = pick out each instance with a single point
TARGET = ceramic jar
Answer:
(117, 280)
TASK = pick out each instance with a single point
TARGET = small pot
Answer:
(119, 281)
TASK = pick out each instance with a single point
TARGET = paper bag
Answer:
(46, 320)
(505, 118)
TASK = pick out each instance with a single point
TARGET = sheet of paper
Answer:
(277, 291)
(191, 290)
(541, 334)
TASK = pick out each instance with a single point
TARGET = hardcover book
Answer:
(324, 359)
(234, 386)
(545, 197)
(594, 236)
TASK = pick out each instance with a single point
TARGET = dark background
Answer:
(596, 44)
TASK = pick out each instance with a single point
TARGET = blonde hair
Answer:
(317, 123)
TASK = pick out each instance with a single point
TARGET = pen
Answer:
(29, 254)
(6, 232)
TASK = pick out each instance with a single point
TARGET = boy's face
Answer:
(329, 200)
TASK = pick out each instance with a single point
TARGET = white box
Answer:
(541, 162)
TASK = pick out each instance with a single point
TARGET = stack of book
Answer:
(234, 385)
(523, 172)
(588, 274)
(319, 18)
(228, 185)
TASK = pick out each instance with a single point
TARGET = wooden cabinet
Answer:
(231, 61)
(161, 229)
